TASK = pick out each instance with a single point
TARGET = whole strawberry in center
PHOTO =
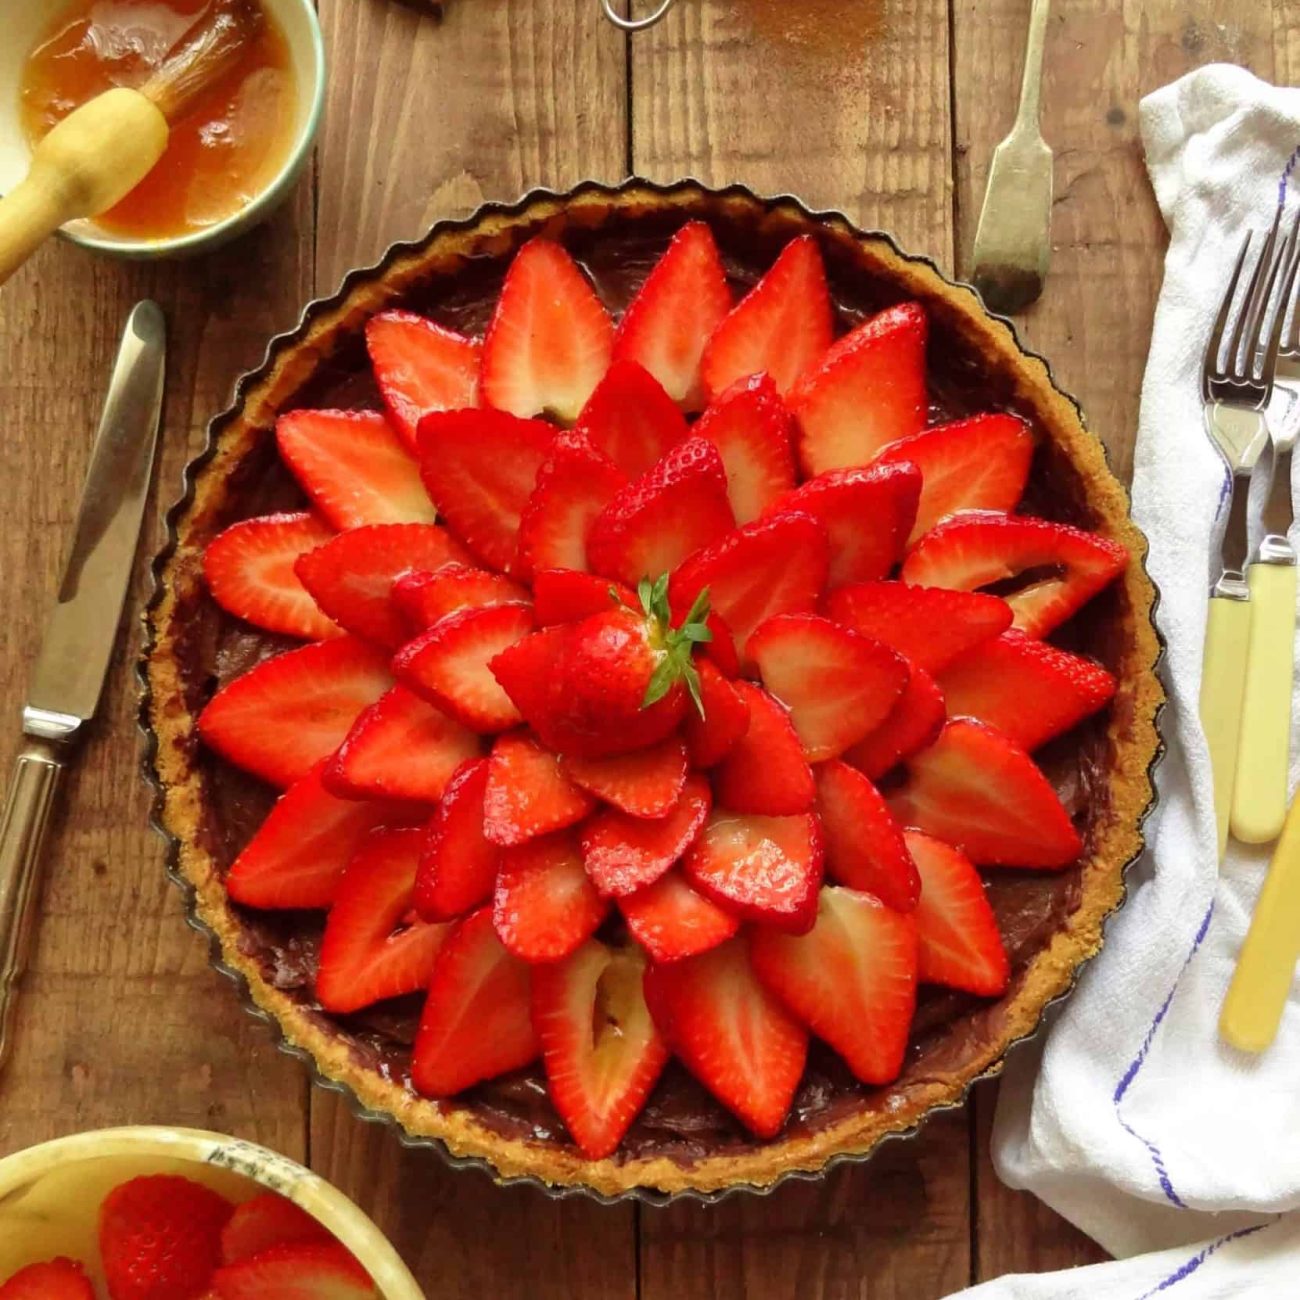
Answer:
(617, 681)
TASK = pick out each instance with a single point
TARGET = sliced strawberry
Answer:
(283, 716)
(976, 464)
(929, 626)
(477, 1021)
(545, 906)
(531, 671)
(600, 1048)
(774, 566)
(480, 468)
(527, 793)
(1029, 690)
(631, 420)
(458, 865)
(981, 792)
(374, 948)
(420, 367)
(851, 979)
(299, 852)
(54, 1279)
(401, 747)
(573, 487)
(623, 854)
(670, 512)
(268, 1220)
(564, 596)
(753, 432)
(355, 468)
(682, 301)
(550, 337)
(449, 664)
(670, 920)
(866, 392)
(838, 686)
(867, 514)
(423, 598)
(1061, 567)
(730, 1032)
(864, 844)
(765, 770)
(249, 571)
(960, 943)
(781, 326)
(307, 1271)
(764, 869)
(645, 783)
(913, 723)
(722, 648)
(709, 739)
(351, 577)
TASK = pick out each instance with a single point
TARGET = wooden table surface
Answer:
(886, 109)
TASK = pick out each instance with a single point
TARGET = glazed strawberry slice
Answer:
(545, 906)
(265, 1221)
(401, 747)
(913, 723)
(1061, 567)
(631, 420)
(867, 514)
(864, 844)
(930, 627)
(1029, 690)
(763, 869)
(573, 487)
(644, 783)
(527, 793)
(351, 577)
(374, 948)
(774, 566)
(600, 1048)
(682, 301)
(624, 854)
(730, 1033)
(420, 367)
(54, 1279)
(306, 1271)
(781, 326)
(838, 686)
(670, 512)
(753, 432)
(423, 598)
(565, 596)
(866, 392)
(480, 468)
(670, 920)
(449, 664)
(283, 716)
(960, 945)
(976, 464)
(355, 468)
(477, 1020)
(299, 852)
(710, 737)
(249, 571)
(851, 979)
(766, 770)
(530, 671)
(981, 792)
(550, 337)
(458, 863)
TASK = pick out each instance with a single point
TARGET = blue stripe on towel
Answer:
(1187, 1269)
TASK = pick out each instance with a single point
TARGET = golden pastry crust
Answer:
(1131, 735)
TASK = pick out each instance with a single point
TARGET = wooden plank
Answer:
(426, 120)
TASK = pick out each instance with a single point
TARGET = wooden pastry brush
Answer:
(101, 151)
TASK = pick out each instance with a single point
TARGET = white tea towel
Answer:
(1134, 1120)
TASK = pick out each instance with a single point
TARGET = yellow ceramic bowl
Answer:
(50, 1195)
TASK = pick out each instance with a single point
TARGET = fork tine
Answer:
(1248, 335)
(1289, 257)
(1210, 366)
(1290, 345)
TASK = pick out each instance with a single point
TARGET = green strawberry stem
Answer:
(677, 643)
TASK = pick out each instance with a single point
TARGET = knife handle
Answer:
(22, 832)
(1223, 678)
(1264, 748)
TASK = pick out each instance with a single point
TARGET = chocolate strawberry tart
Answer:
(653, 689)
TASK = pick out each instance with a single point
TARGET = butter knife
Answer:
(69, 675)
